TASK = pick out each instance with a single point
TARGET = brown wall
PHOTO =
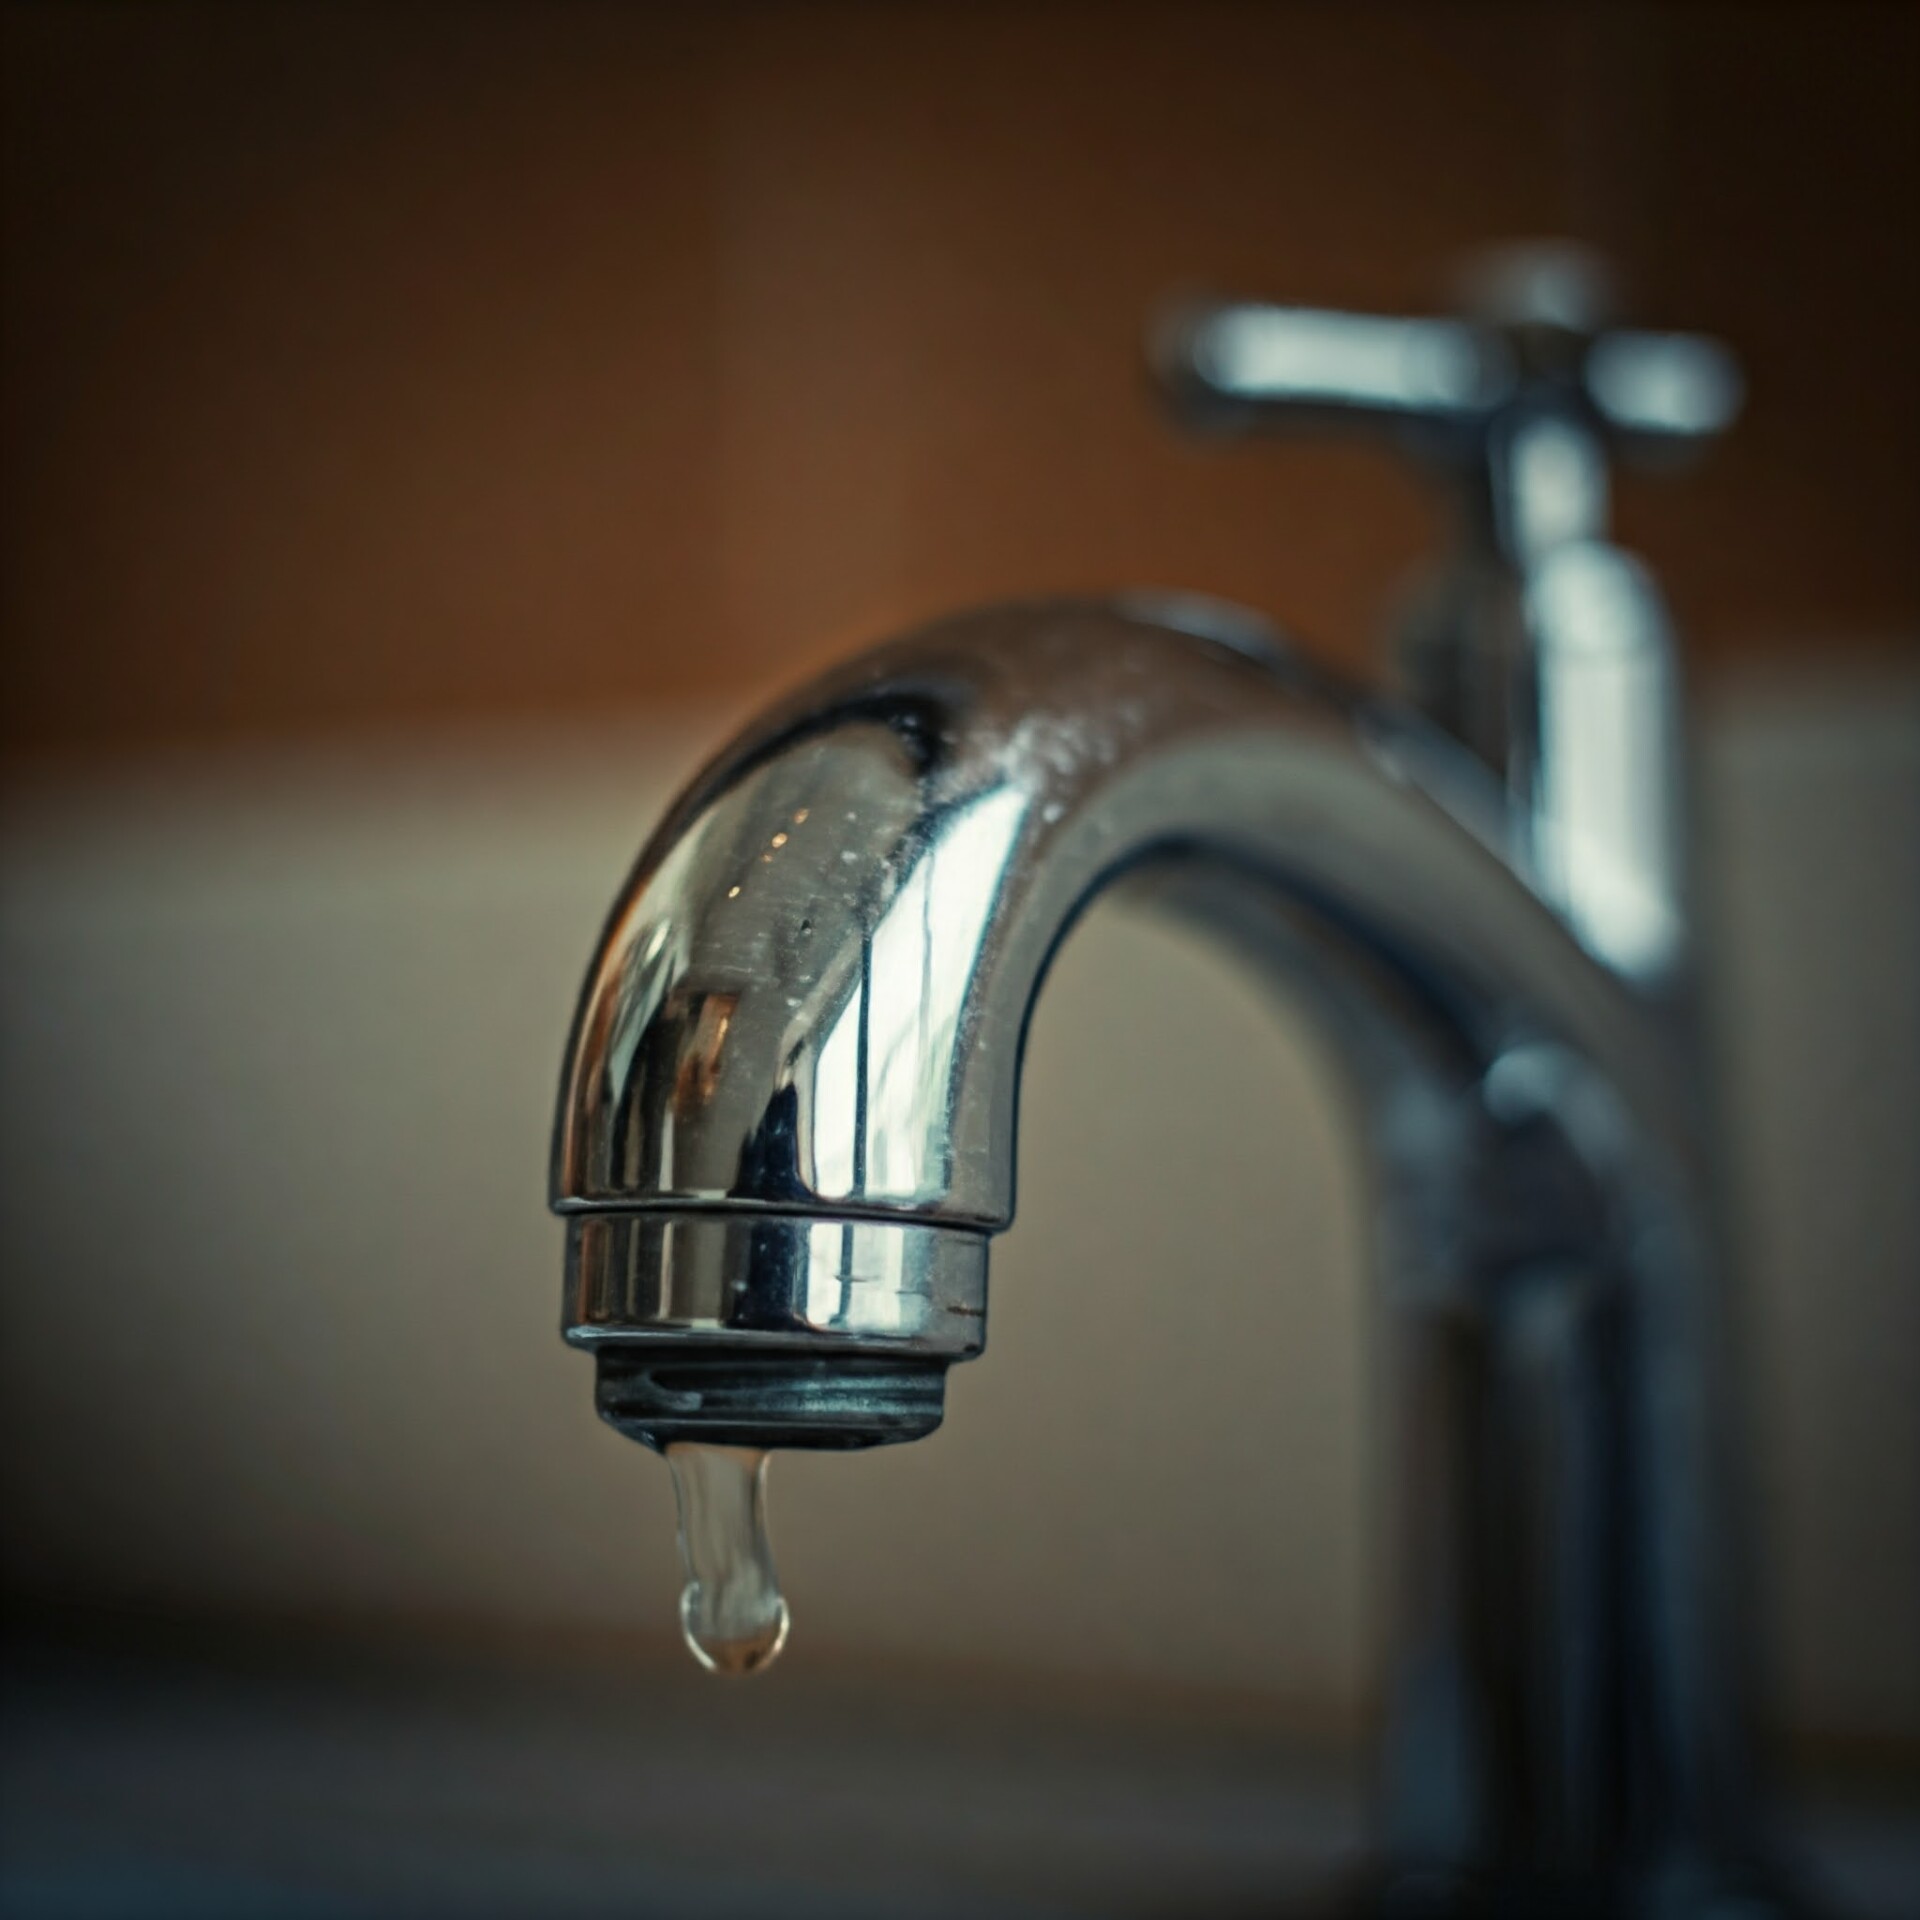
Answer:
(364, 364)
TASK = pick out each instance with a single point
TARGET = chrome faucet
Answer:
(787, 1118)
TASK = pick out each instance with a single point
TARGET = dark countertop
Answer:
(189, 1771)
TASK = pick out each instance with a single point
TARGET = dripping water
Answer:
(731, 1609)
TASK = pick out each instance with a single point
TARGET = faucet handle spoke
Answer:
(1249, 363)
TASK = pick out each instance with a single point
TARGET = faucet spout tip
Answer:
(661, 1394)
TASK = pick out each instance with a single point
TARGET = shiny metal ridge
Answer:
(788, 1114)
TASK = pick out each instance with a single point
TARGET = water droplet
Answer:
(731, 1611)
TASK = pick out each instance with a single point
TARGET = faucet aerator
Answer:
(724, 1396)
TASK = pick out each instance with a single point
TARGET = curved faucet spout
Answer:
(787, 1132)
(789, 1107)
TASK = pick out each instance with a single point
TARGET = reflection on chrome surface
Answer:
(768, 1276)
(1606, 843)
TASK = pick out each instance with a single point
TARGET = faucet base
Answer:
(658, 1393)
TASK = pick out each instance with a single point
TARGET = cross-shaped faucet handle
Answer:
(1535, 329)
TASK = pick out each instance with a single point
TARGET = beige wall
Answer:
(281, 1034)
